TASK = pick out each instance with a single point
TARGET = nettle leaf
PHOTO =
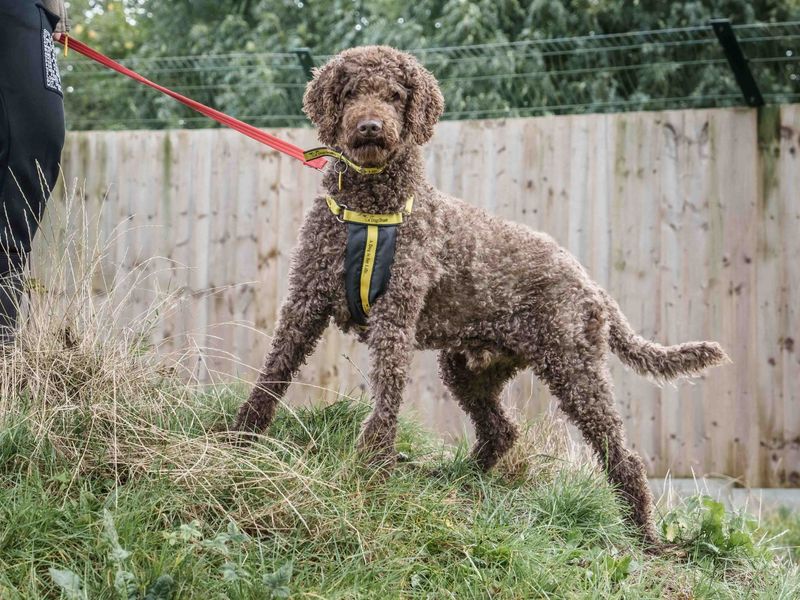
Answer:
(277, 583)
(125, 584)
(230, 572)
(716, 511)
(218, 544)
(190, 532)
(69, 582)
(161, 589)
(221, 540)
(118, 554)
(236, 536)
(186, 533)
(740, 539)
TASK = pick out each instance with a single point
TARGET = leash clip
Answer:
(340, 216)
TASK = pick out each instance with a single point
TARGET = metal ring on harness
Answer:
(340, 171)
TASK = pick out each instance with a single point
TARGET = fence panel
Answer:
(689, 218)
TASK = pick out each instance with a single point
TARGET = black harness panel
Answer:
(360, 284)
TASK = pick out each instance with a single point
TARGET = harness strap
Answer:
(353, 216)
(370, 252)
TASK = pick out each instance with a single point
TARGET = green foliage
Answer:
(125, 582)
(277, 584)
(161, 589)
(708, 530)
(575, 76)
(69, 583)
(784, 525)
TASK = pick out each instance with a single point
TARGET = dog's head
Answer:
(371, 101)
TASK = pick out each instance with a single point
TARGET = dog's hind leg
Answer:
(477, 391)
(583, 387)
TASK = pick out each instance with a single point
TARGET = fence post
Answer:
(305, 59)
(737, 61)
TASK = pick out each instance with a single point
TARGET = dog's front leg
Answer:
(391, 342)
(391, 345)
(304, 315)
(298, 331)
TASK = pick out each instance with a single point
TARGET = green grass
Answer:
(785, 525)
(300, 515)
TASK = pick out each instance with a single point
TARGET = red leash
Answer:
(240, 126)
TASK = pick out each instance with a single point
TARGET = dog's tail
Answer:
(654, 360)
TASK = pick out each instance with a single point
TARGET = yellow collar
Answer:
(351, 216)
(309, 155)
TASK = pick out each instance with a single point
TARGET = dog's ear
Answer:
(321, 101)
(425, 104)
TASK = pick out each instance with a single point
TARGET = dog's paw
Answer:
(376, 441)
(665, 550)
(377, 456)
(238, 438)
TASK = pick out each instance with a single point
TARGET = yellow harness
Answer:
(371, 241)
(369, 254)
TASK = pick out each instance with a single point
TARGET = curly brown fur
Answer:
(492, 296)
(477, 389)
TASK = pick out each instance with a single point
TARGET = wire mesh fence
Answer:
(644, 70)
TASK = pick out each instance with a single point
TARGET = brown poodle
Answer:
(493, 297)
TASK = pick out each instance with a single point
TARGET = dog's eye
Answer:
(398, 97)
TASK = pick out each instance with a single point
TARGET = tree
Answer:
(236, 68)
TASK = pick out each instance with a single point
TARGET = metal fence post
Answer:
(737, 61)
(305, 59)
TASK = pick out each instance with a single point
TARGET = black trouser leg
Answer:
(10, 294)
(31, 137)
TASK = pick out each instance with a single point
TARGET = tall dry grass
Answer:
(88, 382)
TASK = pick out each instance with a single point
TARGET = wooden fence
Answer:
(690, 218)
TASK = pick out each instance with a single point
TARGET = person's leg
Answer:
(10, 293)
(31, 139)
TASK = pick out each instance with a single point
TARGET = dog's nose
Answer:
(370, 127)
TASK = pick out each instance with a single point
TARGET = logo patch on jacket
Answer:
(52, 77)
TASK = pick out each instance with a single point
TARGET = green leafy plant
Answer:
(705, 528)
(277, 583)
(69, 583)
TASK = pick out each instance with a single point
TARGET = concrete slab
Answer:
(755, 500)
